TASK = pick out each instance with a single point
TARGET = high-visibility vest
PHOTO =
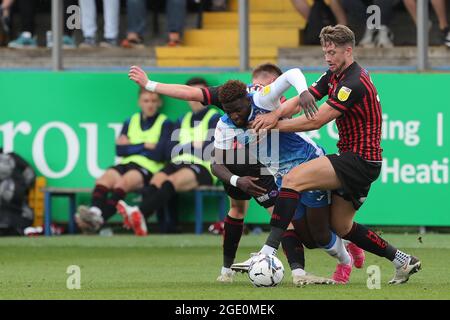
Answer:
(190, 134)
(137, 136)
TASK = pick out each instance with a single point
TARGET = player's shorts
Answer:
(311, 199)
(124, 168)
(202, 174)
(265, 181)
(356, 176)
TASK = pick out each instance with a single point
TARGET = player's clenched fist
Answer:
(138, 75)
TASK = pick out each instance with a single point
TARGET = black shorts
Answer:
(202, 174)
(124, 168)
(265, 181)
(356, 176)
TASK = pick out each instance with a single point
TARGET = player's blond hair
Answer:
(339, 34)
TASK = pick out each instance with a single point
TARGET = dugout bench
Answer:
(70, 193)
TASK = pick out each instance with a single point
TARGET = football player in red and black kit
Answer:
(354, 103)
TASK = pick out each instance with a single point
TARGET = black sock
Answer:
(232, 235)
(159, 198)
(110, 208)
(369, 241)
(282, 215)
(293, 249)
(148, 194)
(99, 196)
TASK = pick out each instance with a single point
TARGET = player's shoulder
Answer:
(353, 79)
(225, 122)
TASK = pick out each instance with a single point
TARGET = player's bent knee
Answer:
(236, 212)
(290, 181)
(342, 229)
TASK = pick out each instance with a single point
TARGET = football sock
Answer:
(99, 196)
(232, 235)
(369, 241)
(336, 248)
(293, 249)
(298, 272)
(110, 207)
(282, 215)
(268, 250)
(225, 270)
(149, 195)
(158, 200)
(400, 259)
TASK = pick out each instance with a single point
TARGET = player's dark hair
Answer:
(339, 34)
(197, 81)
(232, 90)
(267, 68)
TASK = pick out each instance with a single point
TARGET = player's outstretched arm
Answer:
(177, 91)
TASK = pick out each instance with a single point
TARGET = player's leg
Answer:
(233, 228)
(165, 187)
(317, 174)
(342, 214)
(89, 219)
(317, 219)
(294, 238)
(130, 181)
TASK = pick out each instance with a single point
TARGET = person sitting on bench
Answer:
(142, 144)
(190, 152)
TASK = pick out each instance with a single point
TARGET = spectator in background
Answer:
(136, 24)
(304, 9)
(27, 37)
(190, 166)
(381, 37)
(176, 16)
(219, 5)
(111, 10)
(142, 144)
(441, 12)
(5, 16)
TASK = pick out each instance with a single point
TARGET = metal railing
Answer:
(244, 40)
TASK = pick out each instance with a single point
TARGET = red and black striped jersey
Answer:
(353, 94)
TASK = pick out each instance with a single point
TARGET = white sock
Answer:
(400, 259)
(270, 251)
(298, 272)
(225, 270)
(96, 210)
(338, 251)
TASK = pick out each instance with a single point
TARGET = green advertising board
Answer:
(65, 124)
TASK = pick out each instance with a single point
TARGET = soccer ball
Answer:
(265, 271)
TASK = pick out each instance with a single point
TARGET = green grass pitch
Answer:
(186, 266)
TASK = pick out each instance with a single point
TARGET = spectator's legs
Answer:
(88, 18)
(302, 7)
(386, 10)
(136, 19)
(411, 7)
(176, 16)
(441, 13)
(67, 4)
(111, 15)
(68, 41)
(182, 180)
(384, 36)
(27, 12)
(338, 11)
(102, 186)
(130, 181)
